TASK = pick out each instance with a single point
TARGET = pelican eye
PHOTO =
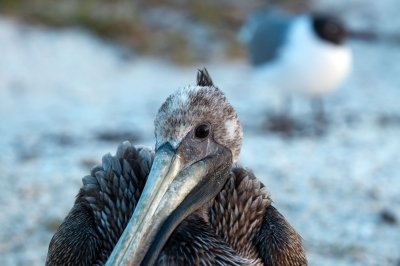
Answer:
(202, 131)
(331, 28)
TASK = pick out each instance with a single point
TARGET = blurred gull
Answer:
(298, 53)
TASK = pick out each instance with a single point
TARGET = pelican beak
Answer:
(169, 183)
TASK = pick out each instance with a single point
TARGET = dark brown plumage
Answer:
(238, 226)
(102, 208)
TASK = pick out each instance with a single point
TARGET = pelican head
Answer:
(198, 138)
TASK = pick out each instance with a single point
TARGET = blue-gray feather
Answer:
(264, 33)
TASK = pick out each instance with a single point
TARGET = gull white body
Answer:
(304, 63)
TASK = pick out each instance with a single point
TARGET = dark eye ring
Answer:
(202, 131)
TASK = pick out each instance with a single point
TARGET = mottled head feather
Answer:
(203, 78)
(190, 106)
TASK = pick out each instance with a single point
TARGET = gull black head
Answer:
(329, 29)
(198, 137)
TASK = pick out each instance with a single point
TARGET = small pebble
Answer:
(388, 217)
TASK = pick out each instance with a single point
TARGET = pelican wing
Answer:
(277, 242)
(242, 215)
(195, 243)
(102, 208)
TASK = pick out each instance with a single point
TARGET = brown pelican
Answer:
(187, 203)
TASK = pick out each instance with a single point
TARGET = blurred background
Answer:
(78, 77)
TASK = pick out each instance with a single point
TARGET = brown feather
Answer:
(237, 227)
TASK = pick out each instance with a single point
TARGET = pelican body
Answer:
(185, 203)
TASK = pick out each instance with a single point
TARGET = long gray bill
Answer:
(165, 189)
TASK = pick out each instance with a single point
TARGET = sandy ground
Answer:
(67, 98)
